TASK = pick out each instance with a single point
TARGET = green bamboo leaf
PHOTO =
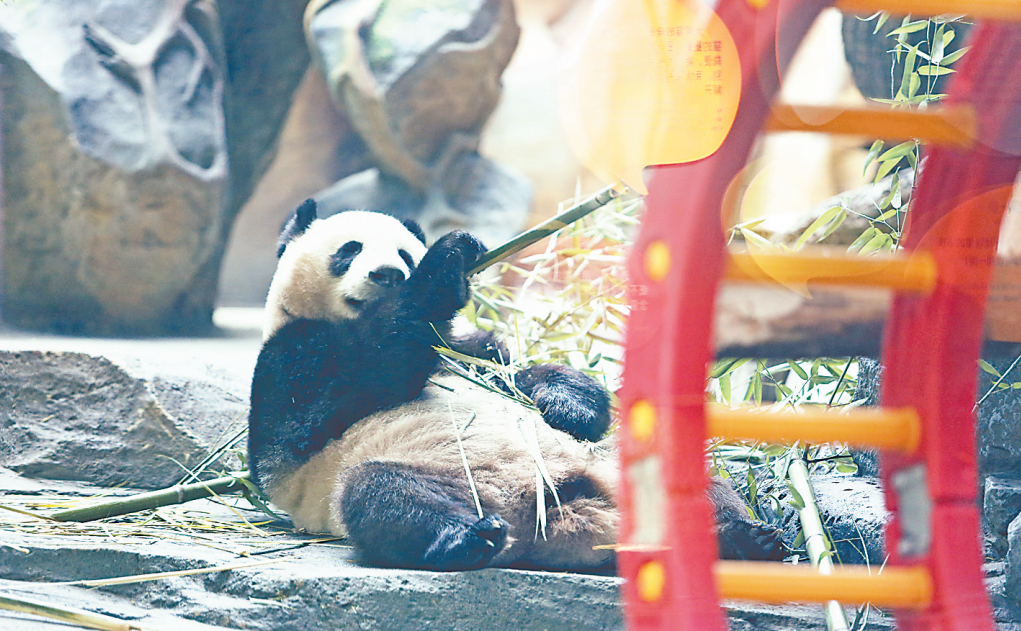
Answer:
(876, 243)
(954, 56)
(934, 71)
(987, 367)
(914, 84)
(728, 365)
(909, 67)
(799, 541)
(725, 388)
(796, 501)
(874, 150)
(754, 238)
(837, 222)
(821, 221)
(899, 151)
(884, 16)
(798, 370)
(885, 168)
(890, 213)
(936, 52)
(910, 27)
(948, 36)
(862, 239)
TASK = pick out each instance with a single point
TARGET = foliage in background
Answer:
(568, 302)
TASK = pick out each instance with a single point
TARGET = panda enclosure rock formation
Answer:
(134, 133)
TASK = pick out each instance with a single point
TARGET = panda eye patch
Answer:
(410, 262)
(340, 261)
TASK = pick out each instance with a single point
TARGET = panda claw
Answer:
(751, 541)
(467, 546)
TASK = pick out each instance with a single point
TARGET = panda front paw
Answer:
(439, 286)
(568, 399)
(467, 546)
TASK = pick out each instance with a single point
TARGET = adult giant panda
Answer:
(354, 431)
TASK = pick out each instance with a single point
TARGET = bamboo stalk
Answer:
(816, 543)
(176, 494)
(548, 227)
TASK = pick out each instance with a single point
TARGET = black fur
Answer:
(414, 228)
(481, 344)
(341, 260)
(399, 516)
(746, 540)
(568, 399)
(313, 379)
(297, 224)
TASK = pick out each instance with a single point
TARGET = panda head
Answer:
(328, 268)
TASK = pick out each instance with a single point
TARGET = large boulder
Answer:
(477, 195)
(418, 81)
(118, 118)
(74, 416)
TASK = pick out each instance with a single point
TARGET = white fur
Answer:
(303, 287)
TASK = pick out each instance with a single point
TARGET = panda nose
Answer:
(386, 276)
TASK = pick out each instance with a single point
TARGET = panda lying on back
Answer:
(353, 431)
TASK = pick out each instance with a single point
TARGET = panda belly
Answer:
(499, 438)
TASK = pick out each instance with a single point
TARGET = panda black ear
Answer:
(414, 228)
(297, 224)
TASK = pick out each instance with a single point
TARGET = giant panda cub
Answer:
(355, 430)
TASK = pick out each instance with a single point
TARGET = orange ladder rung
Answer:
(1001, 10)
(954, 126)
(879, 428)
(777, 583)
(913, 273)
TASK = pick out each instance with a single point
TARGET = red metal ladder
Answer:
(933, 579)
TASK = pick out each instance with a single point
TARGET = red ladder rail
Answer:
(667, 548)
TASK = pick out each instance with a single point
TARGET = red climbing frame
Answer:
(931, 346)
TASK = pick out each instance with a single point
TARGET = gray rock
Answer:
(853, 512)
(73, 416)
(114, 164)
(119, 195)
(307, 583)
(475, 195)
(1001, 504)
(313, 585)
(67, 597)
(998, 422)
(1012, 587)
(416, 79)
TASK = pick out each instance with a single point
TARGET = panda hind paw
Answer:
(568, 399)
(467, 546)
(751, 541)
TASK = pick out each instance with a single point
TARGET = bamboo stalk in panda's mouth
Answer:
(548, 227)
